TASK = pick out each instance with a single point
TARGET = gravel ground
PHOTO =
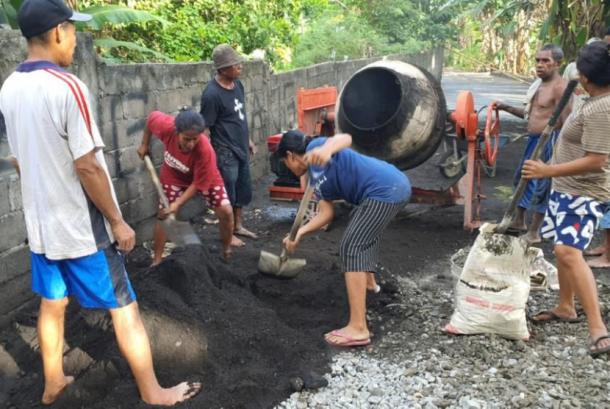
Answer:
(413, 364)
(416, 365)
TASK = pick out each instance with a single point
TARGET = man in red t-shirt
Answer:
(189, 167)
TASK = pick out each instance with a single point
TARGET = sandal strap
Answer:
(594, 343)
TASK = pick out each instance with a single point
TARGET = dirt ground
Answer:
(242, 334)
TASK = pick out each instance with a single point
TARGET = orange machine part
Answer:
(315, 108)
(315, 116)
(492, 130)
(465, 117)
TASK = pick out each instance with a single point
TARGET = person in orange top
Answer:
(189, 166)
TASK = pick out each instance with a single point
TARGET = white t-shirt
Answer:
(49, 124)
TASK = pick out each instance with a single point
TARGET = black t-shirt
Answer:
(225, 114)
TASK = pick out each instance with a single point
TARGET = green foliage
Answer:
(467, 53)
(337, 36)
(571, 24)
(289, 32)
(188, 30)
(365, 28)
(8, 12)
(495, 34)
(111, 43)
(115, 15)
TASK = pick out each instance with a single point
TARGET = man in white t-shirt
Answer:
(75, 229)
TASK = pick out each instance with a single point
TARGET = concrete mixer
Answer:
(396, 111)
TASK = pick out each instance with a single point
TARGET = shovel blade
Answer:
(181, 233)
(271, 264)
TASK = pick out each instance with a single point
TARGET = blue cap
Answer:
(39, 16)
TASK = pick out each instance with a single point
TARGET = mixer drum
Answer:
(394, 111)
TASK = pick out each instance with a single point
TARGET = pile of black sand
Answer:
(242, 334)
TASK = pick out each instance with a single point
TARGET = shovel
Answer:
(181, 233)
(504, 226)
(282, 266)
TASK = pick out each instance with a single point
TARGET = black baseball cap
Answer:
(39, 16)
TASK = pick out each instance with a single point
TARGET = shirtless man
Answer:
(545, 93)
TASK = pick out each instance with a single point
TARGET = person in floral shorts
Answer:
(189, 166)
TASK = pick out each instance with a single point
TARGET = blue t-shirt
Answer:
(354, 177)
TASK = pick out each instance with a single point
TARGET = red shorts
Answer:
(215, 196)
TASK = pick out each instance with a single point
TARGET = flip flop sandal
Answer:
(594, 351)
(553, 317)
(347, 340)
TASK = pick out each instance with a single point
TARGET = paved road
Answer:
(485, 88)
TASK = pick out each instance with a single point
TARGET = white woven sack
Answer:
(492, 291)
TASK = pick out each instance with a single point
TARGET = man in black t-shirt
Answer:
(222, 106)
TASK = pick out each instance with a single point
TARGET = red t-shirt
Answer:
(184, 168)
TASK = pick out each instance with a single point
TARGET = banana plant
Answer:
(571, 23)
(8, 12)
(102, 17)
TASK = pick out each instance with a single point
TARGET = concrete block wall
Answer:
(122, 96)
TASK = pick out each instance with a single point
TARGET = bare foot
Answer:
(226, 254)
(174, 395)
(53, 391)
(236, 242)
(599, 262)
(371, 284)
(597, 251)
(347, 336)
(375, 290)
(242, 231)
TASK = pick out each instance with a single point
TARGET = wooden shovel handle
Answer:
(509, 215)
(157, 183)
(298, 219)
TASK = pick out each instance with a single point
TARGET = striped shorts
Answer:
(359, 249)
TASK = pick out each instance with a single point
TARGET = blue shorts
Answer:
(97, 281)
(536, 194)
(571, 220)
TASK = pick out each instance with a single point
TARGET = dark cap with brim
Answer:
(39, 16)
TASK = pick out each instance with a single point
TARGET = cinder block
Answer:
(15, 293)
(170, 101)
(129, 160)
(136, 105)
(156, 152)
(111, 108)
(14, 262)
(129, 132)
(139, 209)
(134, 186)
(112, 162)
(14, 193)
(12, 226)
(5, 204)
(122, 78)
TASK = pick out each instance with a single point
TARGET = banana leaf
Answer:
(110, 43)
(112, 14)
